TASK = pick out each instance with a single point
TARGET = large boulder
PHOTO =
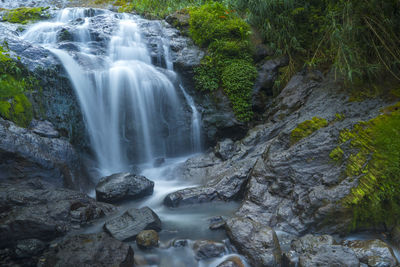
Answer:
(132, 222)
(257, 242)
(89, 250)
(35, 210)
(123, 186)
(27, 153)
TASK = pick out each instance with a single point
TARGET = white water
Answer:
(133, 115)
(130, 107)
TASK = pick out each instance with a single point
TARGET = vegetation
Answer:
(24, 15)
(306, 128)
(15, 83)
(359, 38)
(229, 64)
(375, 159)
(154, 8)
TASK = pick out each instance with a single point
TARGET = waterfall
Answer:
(132, 109)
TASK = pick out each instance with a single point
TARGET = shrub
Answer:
(358, 38)
(229, 62)
(238, 80)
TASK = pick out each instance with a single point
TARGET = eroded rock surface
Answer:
(89, 250)
(33, 211)
(132, 222)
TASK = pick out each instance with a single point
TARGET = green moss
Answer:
(5, 109)
(15, 82)
(306, 128)
(336, 154)
(339, 116)
(376, 161)
(24, 15)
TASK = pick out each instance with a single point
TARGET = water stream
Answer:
(134, 113)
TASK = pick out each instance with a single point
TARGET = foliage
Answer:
(229, 63)
(154, 8)
(375, 159)
(24, 15)
(238, 80)
(14, 84)
(306, 128)
(359, 38)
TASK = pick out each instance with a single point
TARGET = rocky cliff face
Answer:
(291, 186)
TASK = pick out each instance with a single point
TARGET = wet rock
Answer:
(147, 239)
(89, 250)
(34, 209)
(131, 223)
(64, 35)
(259, 243)
(29, 248)
(44, 128)
(179, 243)
(217, 223)
(226, 181)
(123, 186)
(267, 75)
(233, 261)
(373, 252)
(322, 251)
(25, 154)
(224, 149)
(329, 256)
(205, 249)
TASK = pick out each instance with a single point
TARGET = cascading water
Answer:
(134, 112)
(131, 108)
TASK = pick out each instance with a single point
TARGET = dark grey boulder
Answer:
(89, 250)
(34, 209)
(132, 222)
(257, 242)
(123, 186)
(205, 249)
(374, 253)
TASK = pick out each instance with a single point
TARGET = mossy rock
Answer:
(306, 128)
(374, 159)
(24, 15)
